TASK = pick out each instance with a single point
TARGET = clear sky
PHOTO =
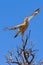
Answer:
(13, 12)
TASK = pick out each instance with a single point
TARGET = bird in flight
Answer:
(22, 27)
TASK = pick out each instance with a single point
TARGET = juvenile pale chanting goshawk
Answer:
(22, 27)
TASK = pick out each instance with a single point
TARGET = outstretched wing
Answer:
(34, 14)
(13, 28)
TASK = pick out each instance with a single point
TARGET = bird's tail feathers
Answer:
(16, 34)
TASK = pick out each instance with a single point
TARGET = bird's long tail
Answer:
(17, 34)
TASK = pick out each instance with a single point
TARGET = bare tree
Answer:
(25, 56)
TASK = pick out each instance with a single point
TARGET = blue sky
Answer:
(13, 12)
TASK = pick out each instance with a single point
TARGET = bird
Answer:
(22, 27)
